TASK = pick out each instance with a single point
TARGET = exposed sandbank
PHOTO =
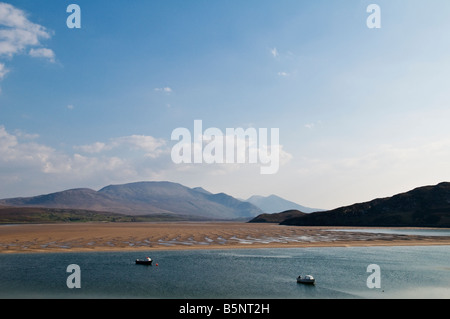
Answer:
(91, 237)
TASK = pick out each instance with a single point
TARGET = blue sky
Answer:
(362, 113)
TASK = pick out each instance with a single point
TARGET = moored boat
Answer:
(308, 280)
(146, 261)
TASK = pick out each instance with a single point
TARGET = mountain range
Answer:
(145, 198)
(427, 206)
(165, 200)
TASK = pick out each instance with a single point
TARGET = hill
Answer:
(145, 198)
(274, 204)
(80, 198)
(427, 206)
(29, 215)
(277, 217)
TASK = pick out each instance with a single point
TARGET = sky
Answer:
(362, 112)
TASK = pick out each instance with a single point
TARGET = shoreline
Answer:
(165, 236)
(228, 247)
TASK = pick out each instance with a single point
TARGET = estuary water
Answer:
(401, 231)
(405, 273)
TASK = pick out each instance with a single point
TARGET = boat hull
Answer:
(143, 262)
(306, 280)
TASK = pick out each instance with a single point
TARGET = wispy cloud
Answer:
(3, 71)
(18, 35)
(31, 167)
(283, 74)
(43, 53)
(274, 52)
(26, 161)
(151, 146)
(93, 148)
(166, 89)
(310, 126)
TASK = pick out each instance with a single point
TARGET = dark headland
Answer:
(427, 206)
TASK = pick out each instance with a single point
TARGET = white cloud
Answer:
(25, 135)
(18, 32)
(18, 35)
(3, 71)
(6, 140)
(96, 147)
(15, 152)
(151, 146)
(310, 126)
(43, 53)
(284, 74)
(274, 52)
(32, 167)
(165, 90)
(29, 167)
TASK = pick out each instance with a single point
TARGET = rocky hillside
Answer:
(277, 217)
(427, 206)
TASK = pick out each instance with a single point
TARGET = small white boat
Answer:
(146, 261)
(308, 280)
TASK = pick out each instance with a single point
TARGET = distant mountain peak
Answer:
(201, 190)
(275, 204)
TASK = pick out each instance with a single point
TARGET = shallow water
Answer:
(400, 231)
(406, 272)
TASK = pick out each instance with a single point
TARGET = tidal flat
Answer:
(84, 237)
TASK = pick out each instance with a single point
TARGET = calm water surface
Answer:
(406, 272)
(401, 231)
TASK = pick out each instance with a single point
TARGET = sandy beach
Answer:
(165, 236)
